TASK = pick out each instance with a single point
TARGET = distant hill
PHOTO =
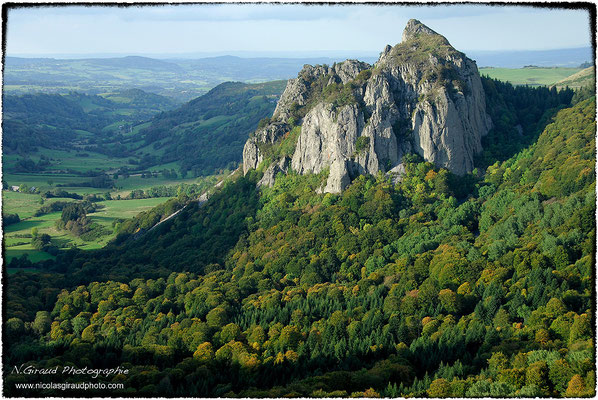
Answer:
(146, 104)
(58, 121)
(145, 63)
(118, 62)
(202, 136)
(251, 69)
(185, 78)
(41, 120)
(180, 79)
(585, 77)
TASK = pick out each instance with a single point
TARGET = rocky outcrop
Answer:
(326, 136)
(268, 135)
(270, 175)
(396, 173)
(338, 178)
(299, 90)
(251, 155)
(414, 28)
(423, 96)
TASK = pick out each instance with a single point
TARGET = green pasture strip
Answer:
(529, 76)
(24, 204)
(34, 255)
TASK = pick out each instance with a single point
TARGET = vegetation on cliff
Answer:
(440, 285)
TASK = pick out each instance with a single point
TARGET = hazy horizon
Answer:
(247, 54)
(170, 31)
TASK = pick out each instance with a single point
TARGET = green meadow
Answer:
(532, 76)
(24, 204)
(17, 237)
(62, 160)
(122, 185)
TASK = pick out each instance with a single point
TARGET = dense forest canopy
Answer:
(438, 285)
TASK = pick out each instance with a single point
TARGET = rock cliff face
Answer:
(422, 96)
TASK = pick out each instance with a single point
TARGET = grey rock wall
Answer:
(423, 96)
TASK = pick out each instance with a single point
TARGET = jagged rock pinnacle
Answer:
(423, 97)
(415, 28)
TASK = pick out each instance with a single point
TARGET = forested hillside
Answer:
(44, 120)
(134, 129)
(55, 121)
(438, 285)
(208, 133)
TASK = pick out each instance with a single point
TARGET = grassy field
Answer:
(123, 186)
(17, 237)
(529, 76)
(23, 204)
(115, 209)
(41, 181)
(61, 160)
(32, 255)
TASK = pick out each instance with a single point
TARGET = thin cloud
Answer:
(204, 12)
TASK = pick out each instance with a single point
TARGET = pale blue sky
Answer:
(178, 29)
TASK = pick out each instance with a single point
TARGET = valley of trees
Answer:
(202, 137)
(208, 133)
(55, 121)
(438, 286)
